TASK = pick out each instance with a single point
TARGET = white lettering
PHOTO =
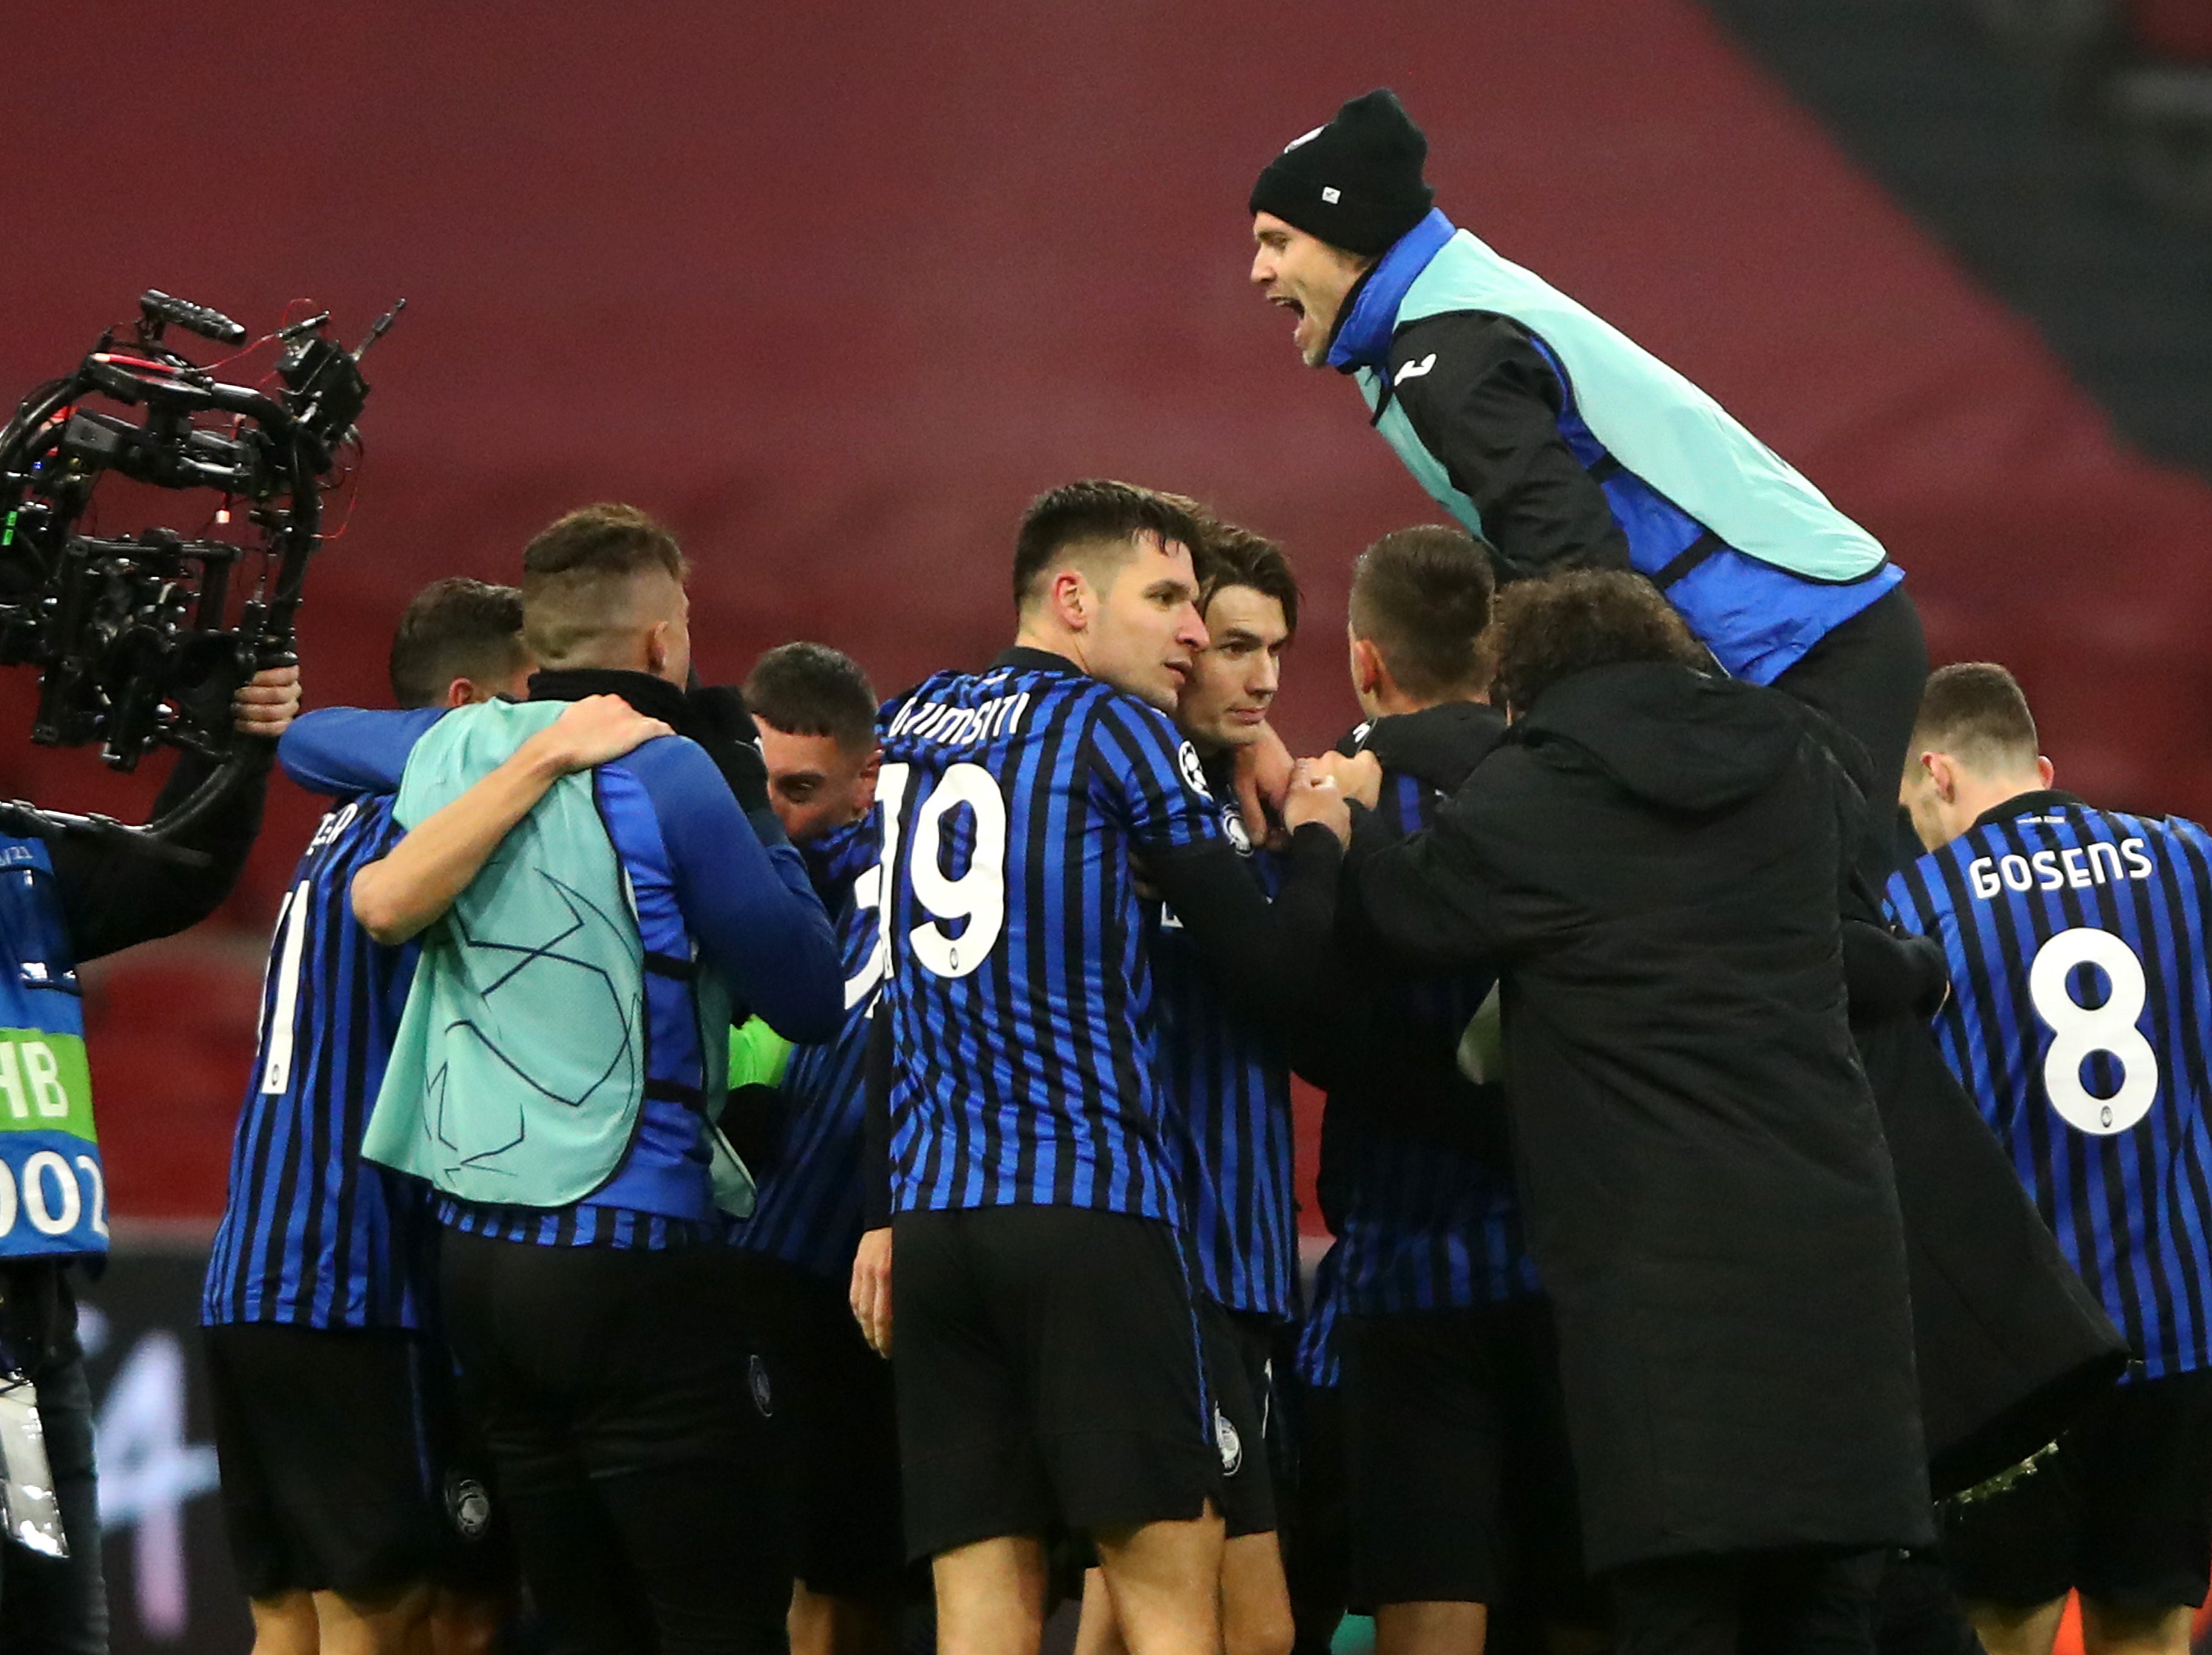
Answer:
(7, 1198)
(47, 1093)
(1982, 874)
(11, 1082)
(2016, 874)
(2078, 867)
(2046, 869)
(44, 1219)
(2138, 863)
(2100, 854)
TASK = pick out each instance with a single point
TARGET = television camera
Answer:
(140, 640)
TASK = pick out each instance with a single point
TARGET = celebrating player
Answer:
(555, 1077)
(316, 1305)
(2078, 1019)
(1049, 1372)
(817, 714)
(1225, 1087)
(1460, 1485)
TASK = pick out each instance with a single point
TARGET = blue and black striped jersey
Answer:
(2079, 1019)
(1019, 983)
(1319, 1361)
(808, 1211)
(1225, 1082)
(1425, 1226)
(311, 1235)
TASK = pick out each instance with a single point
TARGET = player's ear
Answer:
(460, 693)
(656, 649)
(2047, 770)
(864, 791)
(1072, 600)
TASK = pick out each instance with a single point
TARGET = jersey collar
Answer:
(1023, 659)
(2026, 804)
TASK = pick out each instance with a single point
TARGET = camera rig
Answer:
(141, 640)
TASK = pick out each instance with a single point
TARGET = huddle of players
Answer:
(1117, 944)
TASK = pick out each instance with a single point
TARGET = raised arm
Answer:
(347, 749)
(408, 889)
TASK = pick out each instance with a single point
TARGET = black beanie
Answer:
(1356, 183)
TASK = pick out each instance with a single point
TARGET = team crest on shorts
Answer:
(468, 1506)
(1232, 823)
(763, 1397)
(1231, 1445)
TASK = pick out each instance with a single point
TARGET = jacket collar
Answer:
(1370, 316)
(2026, 804)
(654, 698)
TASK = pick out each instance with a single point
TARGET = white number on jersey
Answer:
(979, 896)
(2077, 1030)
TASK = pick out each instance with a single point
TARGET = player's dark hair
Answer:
(1550, 629)
(810, 689)
(1422, 596)
(1974, 710)
(1229, 554)
(456, 629)
(1096, 513)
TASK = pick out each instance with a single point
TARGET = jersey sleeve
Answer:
(1151, 781)
(349, 749)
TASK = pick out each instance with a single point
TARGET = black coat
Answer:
(1652, 860)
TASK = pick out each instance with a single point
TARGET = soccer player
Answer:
(1460, 1485)
(1049, 1370)
(556, 1074)
(2079, 1017)
(321, 1347)
(1225, 1089)
(816, 715)
(1565, 445)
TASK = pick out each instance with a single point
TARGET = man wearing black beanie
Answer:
(1561, 442)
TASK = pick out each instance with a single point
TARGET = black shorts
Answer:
(342, 1467)
(839, 1415)
(1462, 1486)
(1049, 1375)
(2123, 1511)
(1239, 1357)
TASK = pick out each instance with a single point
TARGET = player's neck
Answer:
(1390, 702)
(1053, 642)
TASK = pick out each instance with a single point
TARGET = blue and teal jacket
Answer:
(1563, 443)
(703, 888)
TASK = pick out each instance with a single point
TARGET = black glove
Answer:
(717, 720)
